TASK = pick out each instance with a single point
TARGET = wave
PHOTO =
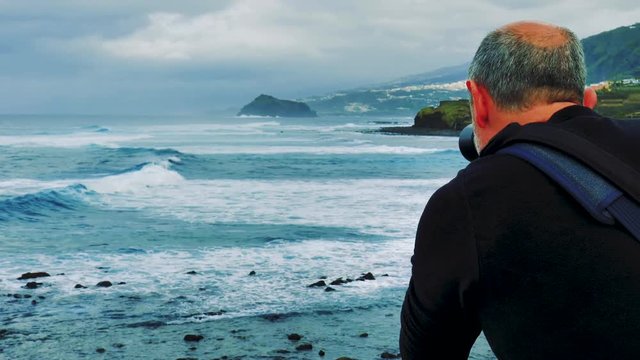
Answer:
(30, 207)
(74, 140)
(139, 178)
(314, 150)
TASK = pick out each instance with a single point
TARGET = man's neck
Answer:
(537, 113)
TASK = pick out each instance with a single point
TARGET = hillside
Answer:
(613, 54)
(620, 101)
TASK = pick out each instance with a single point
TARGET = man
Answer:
(505, 250)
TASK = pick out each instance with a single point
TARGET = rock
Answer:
(266, 105)
(385, 275)
(33, 302)
(367, 276)
(79, 286)
(105, 283)
(294, 337)
(338, 281)
(192, 272)
(304, 347)
(192, 337)
(32, 285)
(122, 283)
(318, 284)
(26, 296)
(321, 353)
(33, 275)
(388, 355)
(322, 277)
(449, 115)
(101, 350)
(252, 273)
(344, 358)
(329, 289)
(364, 335)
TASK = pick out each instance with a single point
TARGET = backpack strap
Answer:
(599, 197)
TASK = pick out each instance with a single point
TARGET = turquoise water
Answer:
(176, 213)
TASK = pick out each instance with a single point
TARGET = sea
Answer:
(210, 226)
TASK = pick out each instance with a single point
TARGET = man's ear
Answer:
(480, 102)
(590, 98)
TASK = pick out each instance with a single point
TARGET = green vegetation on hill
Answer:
(620, 101)
(614, 54)
(266, 105)
(450, 114)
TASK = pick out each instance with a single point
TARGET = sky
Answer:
(198, 57)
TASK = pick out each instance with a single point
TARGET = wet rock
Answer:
(364, 335)
(338, 281)
(122, 283)
(294, 337)
(79, 286)
(192, 272)
(344, 358)
(304, 347)
(252, 273)
(16, 296)
(33, 302)
(33, 285)
(101, 350)
(321, 353)
(322, 277)
(318, 284)
(33, 275)
(41, 297)
(367, 276)
(385, 275)
(105, 283)
(329, 289)
(388, 355)
(26, 296)
(193, 337)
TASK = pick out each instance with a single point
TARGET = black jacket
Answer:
(504, 250)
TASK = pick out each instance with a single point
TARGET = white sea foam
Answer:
(373, 206)
(315, 150)
(280, 286)
(70, 140)
(146, 179)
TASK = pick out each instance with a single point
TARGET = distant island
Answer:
(448, 119)
(266, 105)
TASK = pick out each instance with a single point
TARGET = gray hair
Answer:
(518, 73)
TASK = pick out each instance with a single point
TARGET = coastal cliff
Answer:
(266, 105)
(448, 118)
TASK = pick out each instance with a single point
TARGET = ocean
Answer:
(212, 226)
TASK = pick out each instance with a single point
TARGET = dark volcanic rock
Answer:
(79, 286)
(367, 276)
(318, 284)
(252, 273)
(32, 285)
(105, 283)
(266, 105)
(192, 272)
(294, 337)
(364, 335)
(101, 350)
(329, 289)
(192, 337)
(321, 353)
(33, 275)
(304, 347)
(388, 355)
(338, 281)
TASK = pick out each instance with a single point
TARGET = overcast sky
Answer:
(195, 56)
